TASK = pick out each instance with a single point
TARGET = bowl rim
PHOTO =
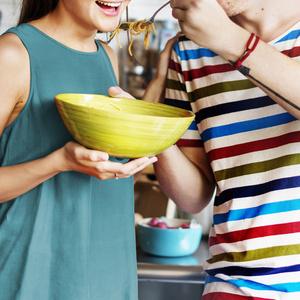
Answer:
(143, 223)
(189, 114)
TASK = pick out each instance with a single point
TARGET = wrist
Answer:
(236, 44)
(56, 161)
(250, 47)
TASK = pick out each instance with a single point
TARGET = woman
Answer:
(65, 232)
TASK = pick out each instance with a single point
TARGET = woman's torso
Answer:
(71, 237)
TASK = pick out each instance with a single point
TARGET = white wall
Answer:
(143, 9)
(9, 13)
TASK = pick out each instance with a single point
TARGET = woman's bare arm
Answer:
(18, 179)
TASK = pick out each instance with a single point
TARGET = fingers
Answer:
(96, 163)
(116, 91)
(130, 168)
(82, 153)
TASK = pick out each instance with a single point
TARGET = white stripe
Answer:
(264, 155)
(257, 135)
(258, 243)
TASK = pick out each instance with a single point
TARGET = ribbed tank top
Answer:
(72, 237)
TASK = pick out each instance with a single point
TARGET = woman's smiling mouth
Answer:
(110, 9)
(112, 6)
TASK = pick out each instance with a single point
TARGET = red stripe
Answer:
(257, 232)
(294, 52)
(200, 72)
(207, 70)
(292, 137)
(212, 241)
(189, 143)
(175, 66)
(228, 296)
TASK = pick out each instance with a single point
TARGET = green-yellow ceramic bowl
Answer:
(122, 127)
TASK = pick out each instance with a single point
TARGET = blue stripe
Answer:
(291, 36)
(176, 47)
(193, 126)
(285, 287)
(246, 126)
(282, 287)
(193, 53)
(252, 212)
(258, 189)
(196, 53)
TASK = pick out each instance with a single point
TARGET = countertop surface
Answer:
(185, 269)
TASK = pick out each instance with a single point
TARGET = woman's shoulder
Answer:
(14, 75)
(109, 50)
(14, 58)
(12, 49)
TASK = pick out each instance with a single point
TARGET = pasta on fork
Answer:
(135, 28)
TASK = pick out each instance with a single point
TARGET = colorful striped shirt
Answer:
(253, 146)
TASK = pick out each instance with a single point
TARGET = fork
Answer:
(151, 20)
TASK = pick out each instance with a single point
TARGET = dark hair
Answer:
(35, 9)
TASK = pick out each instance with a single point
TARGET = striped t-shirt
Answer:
(253, 146)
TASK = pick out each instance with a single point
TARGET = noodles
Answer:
(135, 28)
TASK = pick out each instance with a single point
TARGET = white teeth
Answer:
(109, 4)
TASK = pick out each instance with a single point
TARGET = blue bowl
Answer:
(169, 242)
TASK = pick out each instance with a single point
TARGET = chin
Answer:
(107, 28)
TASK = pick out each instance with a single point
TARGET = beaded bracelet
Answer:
(248, 50)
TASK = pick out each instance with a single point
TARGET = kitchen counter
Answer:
(186, 269)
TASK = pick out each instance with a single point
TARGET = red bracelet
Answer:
(248, 50)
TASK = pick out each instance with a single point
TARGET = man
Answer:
(240, 75)
(237, 67)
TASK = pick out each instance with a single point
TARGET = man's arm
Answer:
(206, 23)
(186, 177)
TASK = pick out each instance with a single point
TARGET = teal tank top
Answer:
(72, 237)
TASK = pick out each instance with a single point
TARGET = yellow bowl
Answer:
(122, 127)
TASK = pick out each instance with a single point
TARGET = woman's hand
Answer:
(18, 179)
(116, 91)
(95, 163)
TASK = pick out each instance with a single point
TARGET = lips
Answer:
(108, 6)
(110, 9)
